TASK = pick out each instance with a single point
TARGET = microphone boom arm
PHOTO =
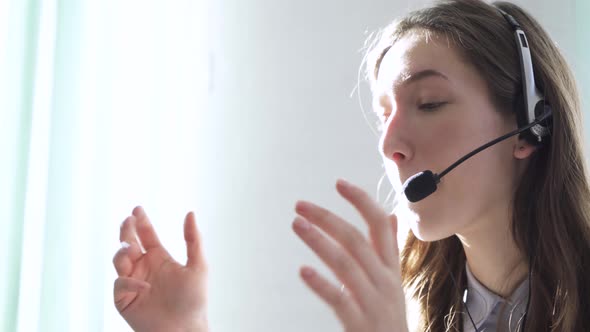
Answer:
(487, 145)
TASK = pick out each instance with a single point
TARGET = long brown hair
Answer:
(551, 206)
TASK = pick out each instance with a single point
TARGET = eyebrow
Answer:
(413, 77)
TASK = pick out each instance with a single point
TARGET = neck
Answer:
(493, 256)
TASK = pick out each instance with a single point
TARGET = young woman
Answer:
(502, 243)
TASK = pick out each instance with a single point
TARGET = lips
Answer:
(404, 176)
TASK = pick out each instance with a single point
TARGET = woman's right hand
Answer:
(154, 292)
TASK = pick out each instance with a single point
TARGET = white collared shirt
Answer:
(490, 311)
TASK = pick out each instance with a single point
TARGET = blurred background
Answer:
(233, 109)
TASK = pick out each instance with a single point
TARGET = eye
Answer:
(431, 106)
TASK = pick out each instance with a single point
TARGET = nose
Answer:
(395, 142)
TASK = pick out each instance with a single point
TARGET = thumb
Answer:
(193, 242)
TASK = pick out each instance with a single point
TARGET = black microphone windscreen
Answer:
(420, 185)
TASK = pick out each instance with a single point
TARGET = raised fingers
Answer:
(127, 233)
(343, 265)
(193, 242)
(336, 297)
(380, 225)
(347, 235)
(125, 258)
(145, 230)
(128, 238)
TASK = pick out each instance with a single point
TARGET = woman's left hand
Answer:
(371, 298)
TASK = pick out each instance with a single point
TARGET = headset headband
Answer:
(534, 101)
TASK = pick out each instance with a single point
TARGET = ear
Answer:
(523, 149)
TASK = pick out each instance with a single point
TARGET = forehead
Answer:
(417, 51)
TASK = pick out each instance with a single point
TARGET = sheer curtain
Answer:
(101, 108)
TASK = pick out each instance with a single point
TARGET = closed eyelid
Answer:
(414, 95)
(432, 106)
(433, 94)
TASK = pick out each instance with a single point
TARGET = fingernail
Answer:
(343, 183)
(139, 211)
(307, 272)
(301, 206)
(125, 245)
(301, 223)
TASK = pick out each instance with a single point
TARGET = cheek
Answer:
(480, 187)
(439, 142)
(487, 181)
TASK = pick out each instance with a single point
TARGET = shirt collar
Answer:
(481, 301)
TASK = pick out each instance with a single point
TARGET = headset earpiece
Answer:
(540, 133)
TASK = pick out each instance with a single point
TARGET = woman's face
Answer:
(435, 108)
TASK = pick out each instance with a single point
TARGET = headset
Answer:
(534, 115)
(534, 102)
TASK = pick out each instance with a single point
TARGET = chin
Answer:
(428, 233)
(427, 222)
